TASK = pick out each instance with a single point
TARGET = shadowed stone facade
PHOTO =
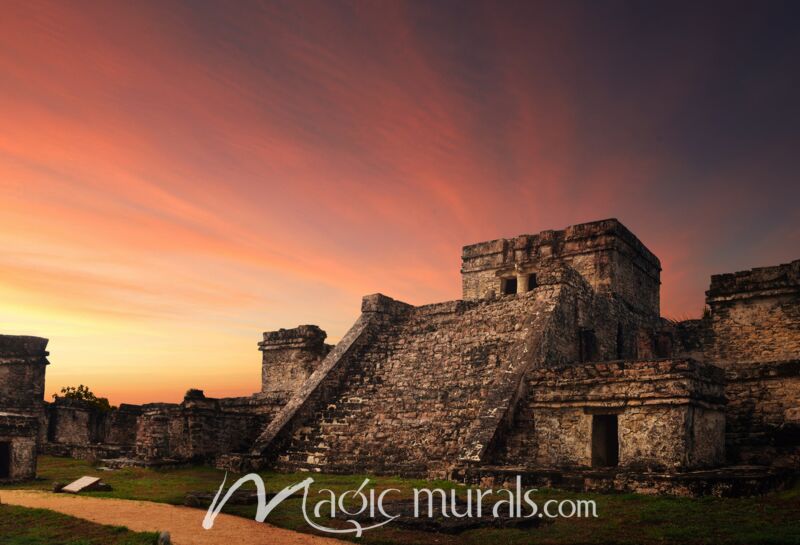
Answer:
(22, 370)
(753, 332)
(670, 414)
(556, 364)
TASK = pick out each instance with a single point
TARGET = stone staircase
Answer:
(427, 389)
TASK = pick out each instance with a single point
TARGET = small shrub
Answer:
(83, 393)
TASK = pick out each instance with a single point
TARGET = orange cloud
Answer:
(175, 179)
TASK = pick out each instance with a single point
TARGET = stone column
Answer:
(290, 356)
(522, 283)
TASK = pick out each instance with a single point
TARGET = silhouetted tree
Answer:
(83, 393)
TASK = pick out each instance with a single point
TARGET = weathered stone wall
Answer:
(23, 361)
(159, 432)
(688, 338)
(754, 315)
(549, 445)
(19, 433)
(23, 458)
(763, 419)
(22, 366)
(73, 423)
(652, 438)
(708, 443)
(606, 254)
(656, 437)
(200, 428)
(670, 413)
(120, 426)
(80, 430)
(290, 356)
(753, 331)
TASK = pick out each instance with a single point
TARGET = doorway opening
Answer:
(509, 286)
(605, 440)
(5, 459)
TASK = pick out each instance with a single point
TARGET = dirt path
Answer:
(183, 523)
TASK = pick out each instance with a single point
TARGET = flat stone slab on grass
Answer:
(84, 483)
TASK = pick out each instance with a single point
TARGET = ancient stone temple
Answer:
(22, 369)
(555, 364)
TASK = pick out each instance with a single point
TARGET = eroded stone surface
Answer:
(22, 368)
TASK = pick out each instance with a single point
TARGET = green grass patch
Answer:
(23, 526)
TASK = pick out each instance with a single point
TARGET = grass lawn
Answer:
(23, 526)
(622, 518)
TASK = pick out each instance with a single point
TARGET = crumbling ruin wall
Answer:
(688, 337)
(81, 430)
(670, 413)
(706, 441)
(74, 422)
(290, 356)
(18, 437)
(754, 316)
(753, 331)
(160, 432)
(23, 361)
(200, 429)
(120, 426)
(763, 423)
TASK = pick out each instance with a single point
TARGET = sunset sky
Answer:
(178, 177)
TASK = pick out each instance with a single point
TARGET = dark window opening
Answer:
(620, 342)
(531, 282)
(605, 440)
(5, 460)
(663, 345)
(588, 345)
(509, 286)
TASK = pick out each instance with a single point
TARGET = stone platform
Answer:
(731, 481)
(121, 463)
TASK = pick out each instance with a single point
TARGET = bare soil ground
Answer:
(183, 523)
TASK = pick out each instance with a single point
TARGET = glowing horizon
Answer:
(177, 178)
